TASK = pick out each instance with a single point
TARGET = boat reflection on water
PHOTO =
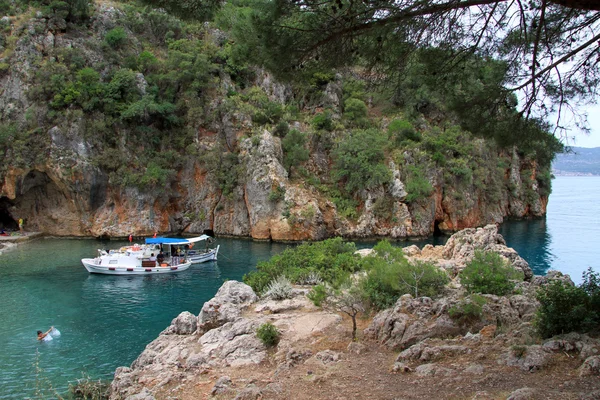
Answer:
(532, 240)
(143, 288)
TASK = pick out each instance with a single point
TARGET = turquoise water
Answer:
(568, 239)
(106, 321)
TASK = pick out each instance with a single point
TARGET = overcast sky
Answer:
(593, 139)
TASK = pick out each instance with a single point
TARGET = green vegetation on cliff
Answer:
(140, 95)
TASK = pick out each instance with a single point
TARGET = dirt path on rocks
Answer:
(324, 366)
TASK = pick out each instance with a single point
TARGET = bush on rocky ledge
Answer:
(333, 260)
(390, 275)
(566, 308)
(268, 334)
(488, 273)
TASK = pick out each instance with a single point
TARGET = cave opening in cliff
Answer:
(436, 229)
(6, 219)
(43, 205)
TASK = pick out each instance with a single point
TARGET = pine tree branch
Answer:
(557, 62)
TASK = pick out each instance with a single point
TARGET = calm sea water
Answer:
(568, 239)
(106, 321)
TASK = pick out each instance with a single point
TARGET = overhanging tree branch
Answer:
(557, 62)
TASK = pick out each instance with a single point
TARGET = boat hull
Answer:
(92, 267)
(198, 258)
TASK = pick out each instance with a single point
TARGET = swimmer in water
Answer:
(42, 335)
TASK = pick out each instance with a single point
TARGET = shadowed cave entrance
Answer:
(40, 202)
(7, 221)
(436, 229)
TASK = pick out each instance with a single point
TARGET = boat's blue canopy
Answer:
(164, 240)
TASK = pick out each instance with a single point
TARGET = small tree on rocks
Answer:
(348, 299)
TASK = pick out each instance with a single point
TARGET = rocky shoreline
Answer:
(414, 345)
(14, 238)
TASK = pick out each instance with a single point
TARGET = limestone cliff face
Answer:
(64, 191)
(82, 202)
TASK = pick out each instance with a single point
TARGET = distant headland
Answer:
(579, 161)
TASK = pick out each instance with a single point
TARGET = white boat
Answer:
(195, 255)
(200, 256)
(140, 259)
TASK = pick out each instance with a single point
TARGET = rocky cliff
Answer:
(123, 162)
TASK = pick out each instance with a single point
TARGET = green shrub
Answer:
(147, 61)
(359, 160)
(265, 110)
(346, 207)
(116, 37)
(308, 212)
(544, 180)
(225, 168)
(353, 88)
(390, 275)
(277, 194)
(356, 111)
(460, 169)
(451, 141)
(418, 186)
(591, 285)
(319, 79)
(91, 89)
(400, 131)
(565, 308)
(268, 334)
(156, 176)
(518, 351)
(333, 259)
(57, 10)
(282, 129)
(50, 79)
(123, 87)
(294, 149)
(323, 121)
(8, 131)
(317, 295)
(163, 25)
(422, 278)
(489, 273)
(381, 286)
(467, 311)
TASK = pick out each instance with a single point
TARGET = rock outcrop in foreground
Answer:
(223, 335)
(413, 348)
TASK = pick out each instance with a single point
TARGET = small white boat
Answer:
(195, 255)
(200, 256)
(140, 260)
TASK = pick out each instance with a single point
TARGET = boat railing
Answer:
(176, 260)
